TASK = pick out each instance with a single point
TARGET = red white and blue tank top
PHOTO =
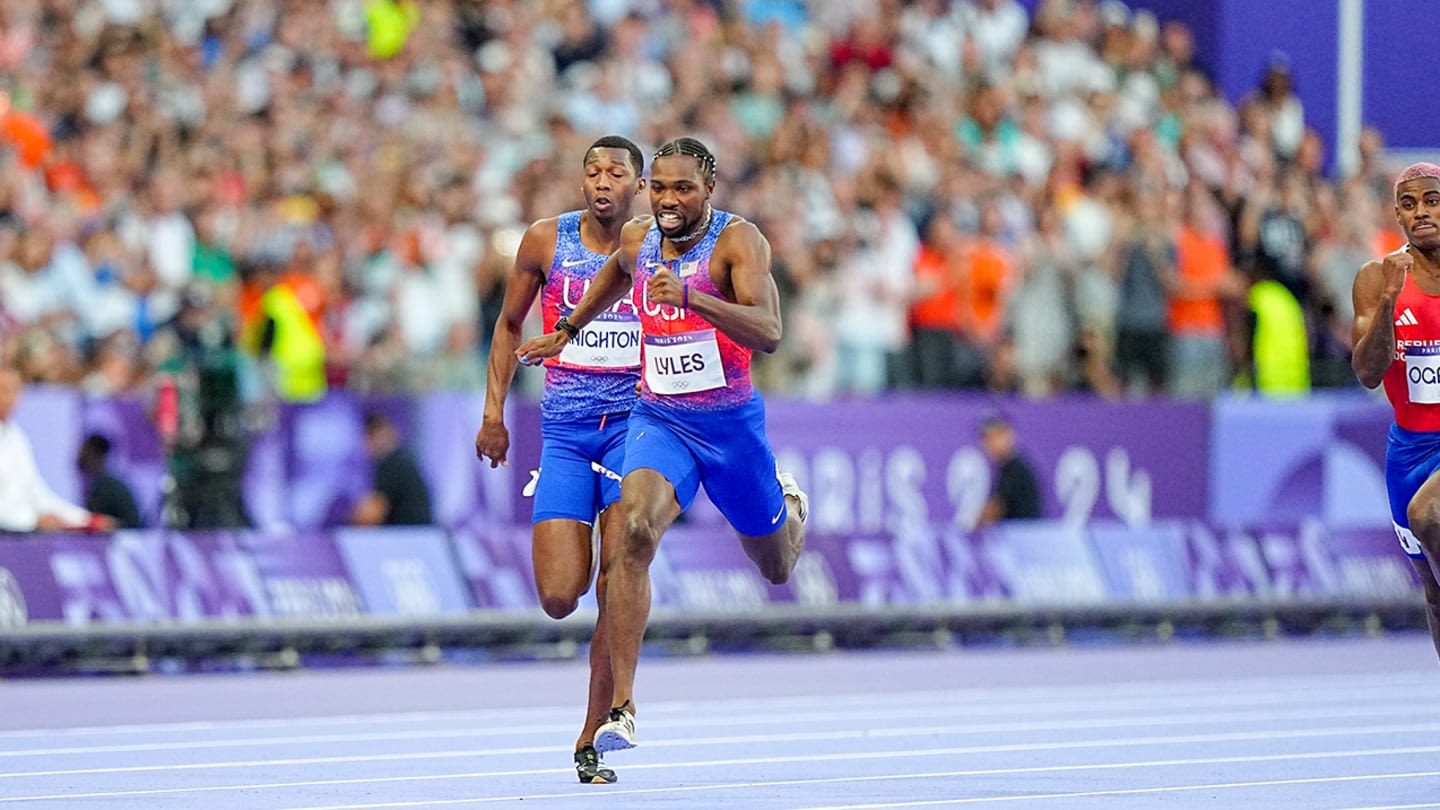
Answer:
(688, 363)
(597, 371)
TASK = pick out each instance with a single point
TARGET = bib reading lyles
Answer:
(1422, 374)
(683, 363)
(606, 342)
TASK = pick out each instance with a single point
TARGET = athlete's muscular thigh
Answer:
(560, 549)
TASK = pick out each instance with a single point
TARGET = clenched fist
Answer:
(1396, 266)
(666, 288)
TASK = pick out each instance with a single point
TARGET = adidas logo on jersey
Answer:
(1407, 318)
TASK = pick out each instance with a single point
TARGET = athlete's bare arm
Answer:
(753, 318)
(532, 259)
(1376, 288)
(610, 284)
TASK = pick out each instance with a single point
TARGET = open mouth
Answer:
(669, 220)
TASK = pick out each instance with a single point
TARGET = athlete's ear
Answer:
(641, 187)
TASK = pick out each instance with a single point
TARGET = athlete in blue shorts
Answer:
(701, 279)
(589, 390)
(1396, 336)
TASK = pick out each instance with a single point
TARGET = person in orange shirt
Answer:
(25, 133)
(935, 312)
(985, 287)
(1204, 280)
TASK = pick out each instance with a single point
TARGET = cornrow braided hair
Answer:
(692, 148)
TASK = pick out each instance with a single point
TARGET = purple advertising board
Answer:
(877, 465)
(304, 574)
(1145, 564)
(153, 576)
(140, 576)
(495, 561)
(1369, 564)
(1293, 461)
(403, 570)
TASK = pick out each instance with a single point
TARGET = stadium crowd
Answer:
(958, 194)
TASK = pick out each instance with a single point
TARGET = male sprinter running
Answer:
(589, 390)
(1396, 335)
(701, 278)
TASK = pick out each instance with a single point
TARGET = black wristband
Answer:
(568, 328)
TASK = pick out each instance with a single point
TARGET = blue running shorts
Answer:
(580, 462)
(1411, 457)
(725, 450)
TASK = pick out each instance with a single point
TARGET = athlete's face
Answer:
(678, 193)
(1417, 207)
(611, 183)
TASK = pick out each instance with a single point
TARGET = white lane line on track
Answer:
(1378, 752)
(751, 714)
(1083, 794)
(1109, 718)
(1395, 806)
(1118, 792)
(1239, 689)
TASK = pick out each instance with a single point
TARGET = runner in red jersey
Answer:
(1396, 338)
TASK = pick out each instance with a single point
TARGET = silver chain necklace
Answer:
(695, 234)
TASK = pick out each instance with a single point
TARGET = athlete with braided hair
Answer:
(1396, 337)
(701, 280)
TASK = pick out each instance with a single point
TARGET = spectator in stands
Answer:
(1146, 269)
(1349, 243)
(1275, 230)
(287, 331)
(875, 285)
(935, 310)
(1275, 95)
(1015, 495)
(987, 276)
(1040, 317)
(26, 502)
(105, 493)
(398, 493)
(1205, 282)
(1274, 343)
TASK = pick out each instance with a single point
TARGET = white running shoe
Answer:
(789, 486)
(617, 733)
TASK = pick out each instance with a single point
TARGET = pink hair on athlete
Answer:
(1415, 171)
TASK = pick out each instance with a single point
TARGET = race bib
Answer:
(1422, 374)
(604, 344)
(684, 363)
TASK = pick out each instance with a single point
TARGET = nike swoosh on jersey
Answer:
(573, 262)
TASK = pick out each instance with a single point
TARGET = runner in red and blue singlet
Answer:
(1396, 338)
